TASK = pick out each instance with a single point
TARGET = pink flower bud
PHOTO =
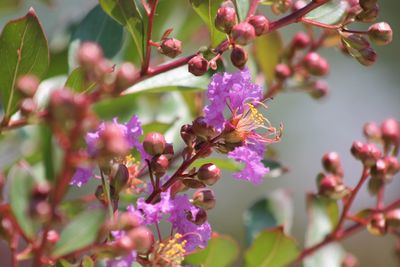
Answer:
(372, 131)
(159, 164)
(112, 141)
(27, 106)
(367, 56)
(378, 171)
(170, 47)
(199, 218)
(331, 163)
(225, 19)
(187, 134)
(243, 33)
(357, 149)
(209, 173)
(380, 33)
(119, 177)
(377, 225)
(198, 65)
(27, 85)
(204, 198)
(90, 54)
(319, 89)
(154, 143)
(239, 57)
(315, 64)
(390, 129)
(142, 238)
(301, 40)
(260, 24)
(393, 218)
(126, 75)
(282, 72)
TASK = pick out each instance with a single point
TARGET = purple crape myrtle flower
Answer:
(236, 92)
(153, 213)
(131, 130)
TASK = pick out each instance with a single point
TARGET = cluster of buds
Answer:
(27, 86)
(384, 222)
(330, 184)
(383, 165)
(155, 145)
(99, 70)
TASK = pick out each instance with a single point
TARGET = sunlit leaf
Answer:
(221, 251)
(330, 13)
(77, 82)
(126, 13)
(242, 7)
(222, 163)
(23, 50)
(80, 232)
(272, 248)
(207, 10)
(268, 49)
(274, 210)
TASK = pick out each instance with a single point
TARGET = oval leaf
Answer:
(96, 27)
(126, 13)
(80, 232)
(77, 82)
(23, 50)
(21, 184)
(220, 252)
(242, 7)
(207, 10)
(330, 13)
(271, 248)
(268, 49)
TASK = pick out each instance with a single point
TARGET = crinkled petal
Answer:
(82, 176)
(125, 261)
(254, 170)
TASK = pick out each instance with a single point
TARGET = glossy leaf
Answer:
(221, 251)
(76, 81)
(21, 185)
(126, 13)
(23, 50)
(80, 232)
(330, 13)
(268, 49)
(272, 248)
(242, 7)
(222, 163)
(323, 215)
(274, 210)
(96, 27)
(207, 10)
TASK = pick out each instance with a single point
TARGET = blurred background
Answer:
(357, 95)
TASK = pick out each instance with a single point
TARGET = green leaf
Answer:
(80, 232)
(156, 126)
(96, 27)
(275, 168)
(272, 248)
(323, 216)
(242, 7)
(47, 151)
(222, 163)
(221, 251)
(21, 185)
(126, 13)
(23, 50)
(87, 262)
(274, 210)
(77, 82)
(207, 10)
(330, 13)
(9, 4)
(268, 49)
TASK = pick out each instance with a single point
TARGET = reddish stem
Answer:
(146, 62)
(252, 8)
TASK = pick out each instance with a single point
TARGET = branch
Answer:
(146, 62)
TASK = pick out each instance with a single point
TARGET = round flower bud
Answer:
(315, 64)
(27, 106)
(369, 15)
(393, 165)
(357, 149)
(209, 173)
(368, 4)
(370, 154)
(154, 143)
(331, 163)
(390, 129)
(187, 134)
(204, 198)
(169, 151)
(127, 221)
(367, 56)
(170, 47)
(331, 186)
(198, 65)
(90, 54)
(377, 225)
(299, 4)
(113, 141)
(239, 57)
(142, 237)
(126, 76)
(372, 131)
(243, 33)
(27, 85)
(393, 218)
(350, 261)
(301, 40)
(225, 19)
(202, 129)
(199, 218)
(124, 245)
(159, 164)
(380, 33)
(319, 89)
(52, 236)
(282, 72)
(119, 177)
(260, 24)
